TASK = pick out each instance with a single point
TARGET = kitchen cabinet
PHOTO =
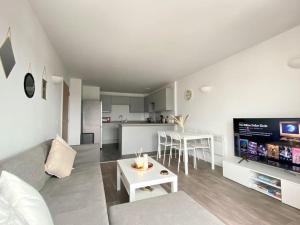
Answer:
(146, 104)
(169, 99)
(150, 103)
(110, 133)
(136, 104)
(159, 101)
(120, 100)
(163, 100)
(146, 133)
(106, 103)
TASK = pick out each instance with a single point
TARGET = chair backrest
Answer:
(190, 130)
(202, 143)
(162, 134)
(175, 136)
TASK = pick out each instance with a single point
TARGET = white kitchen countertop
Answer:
(145, 124)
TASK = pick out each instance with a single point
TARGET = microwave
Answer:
(106, 119)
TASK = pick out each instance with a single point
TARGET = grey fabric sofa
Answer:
(172, 209)
(75, 200)
(80, 198)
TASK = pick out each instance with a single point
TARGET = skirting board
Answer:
(110, 141)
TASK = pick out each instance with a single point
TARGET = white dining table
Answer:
(190, 136)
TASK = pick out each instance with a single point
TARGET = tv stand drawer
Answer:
(290, 193)
(237, 173)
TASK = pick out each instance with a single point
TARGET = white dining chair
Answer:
(164, 141)
(190, 130)
(174, 145)
(175, 138)
(202, 145)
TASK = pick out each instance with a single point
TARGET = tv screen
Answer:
(273, 141)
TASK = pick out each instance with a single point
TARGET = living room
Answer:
(220, 68)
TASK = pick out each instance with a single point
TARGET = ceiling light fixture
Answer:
(294, 62)
(205, 89)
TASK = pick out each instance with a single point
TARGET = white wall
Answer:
(254, 83)
(75, 112)
(26, 122)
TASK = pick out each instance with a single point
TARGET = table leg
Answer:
(159, 148)
(131, 194)
(185, 154)
(174, 186)
(212, 146)
(118, 179)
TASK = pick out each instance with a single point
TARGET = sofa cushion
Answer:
(78, 199)
(29, 165)
(172, 209)
(89, 153)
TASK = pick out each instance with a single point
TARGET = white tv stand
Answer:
(272, 181)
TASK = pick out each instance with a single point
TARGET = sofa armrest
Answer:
(87, 153)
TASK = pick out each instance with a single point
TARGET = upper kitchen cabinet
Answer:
(106, 103)
(136, 104)
(163, 100)
(168, 96)
(159, 101)
(120, 100)
(146, 104)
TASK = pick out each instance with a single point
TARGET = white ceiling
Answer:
(128, 46)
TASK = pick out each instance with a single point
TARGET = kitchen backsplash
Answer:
(117, 110)
(156, 116)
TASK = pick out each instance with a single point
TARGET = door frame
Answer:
(58, 80)
(66, 135)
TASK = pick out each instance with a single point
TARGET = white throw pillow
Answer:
(60, 160)
(25, 200)
(8, 215)
(62, 141)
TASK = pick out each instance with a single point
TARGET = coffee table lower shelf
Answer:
(158, 190)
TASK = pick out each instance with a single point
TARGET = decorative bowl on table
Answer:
(140, 167)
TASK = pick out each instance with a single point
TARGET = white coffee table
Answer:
(133, 179)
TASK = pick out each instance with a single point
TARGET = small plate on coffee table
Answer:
(164, 172)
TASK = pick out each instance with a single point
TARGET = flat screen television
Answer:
(273, 141)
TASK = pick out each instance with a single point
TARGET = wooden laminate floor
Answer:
(110, 152)
(234, 204)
